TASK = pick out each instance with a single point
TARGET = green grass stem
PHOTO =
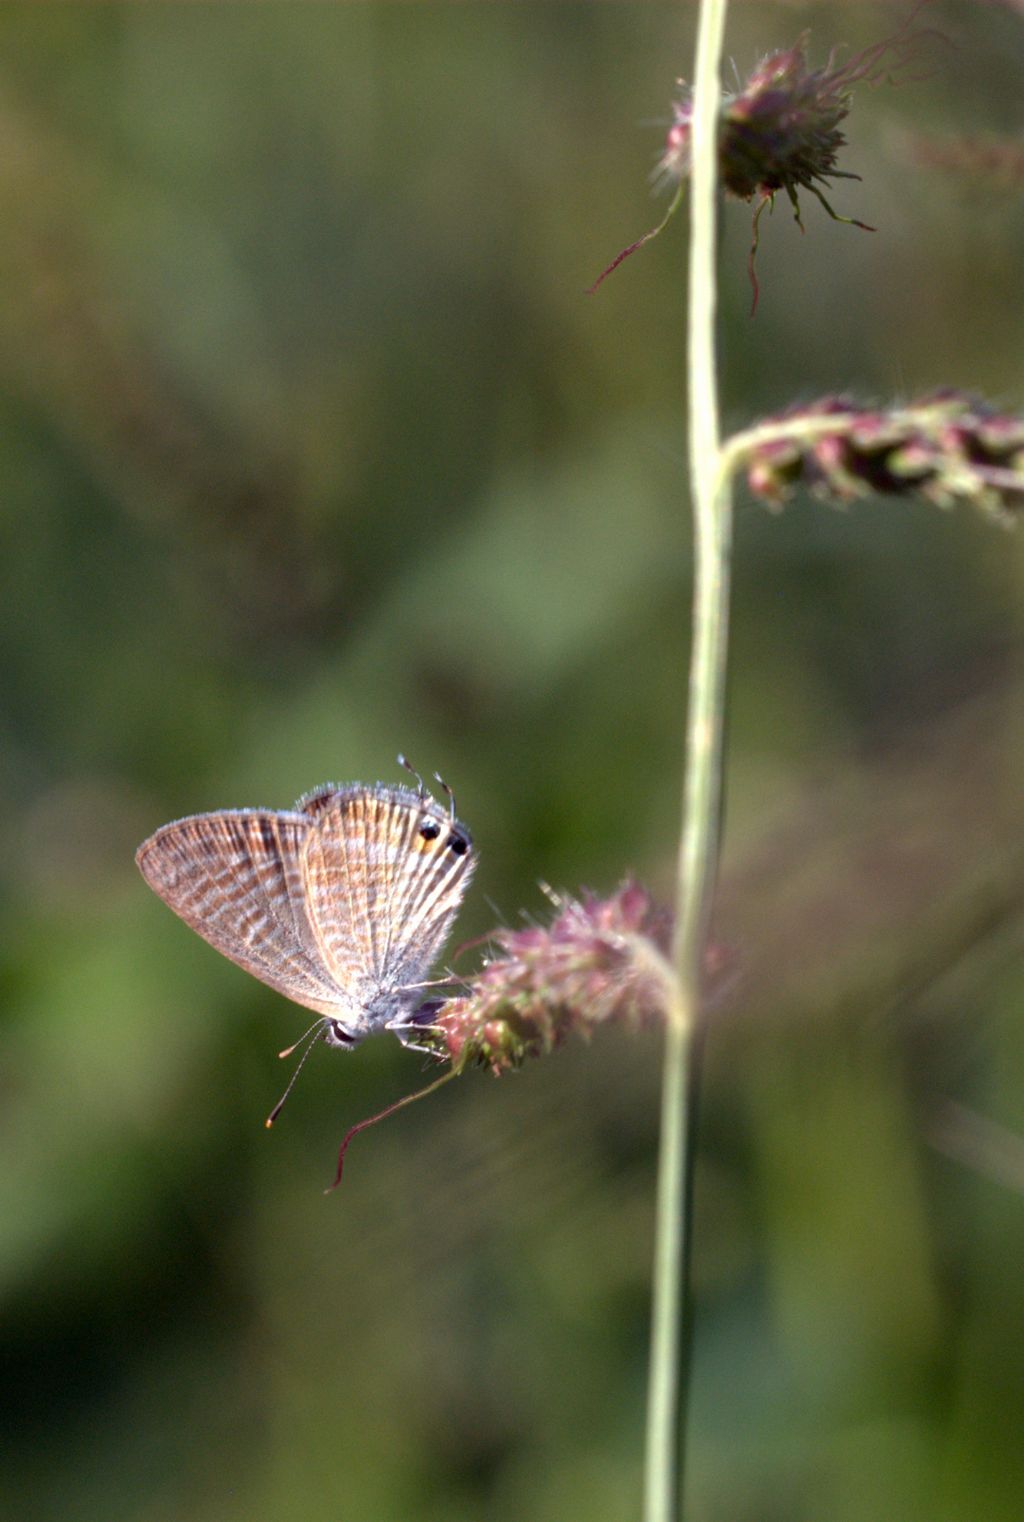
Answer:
(698, 849)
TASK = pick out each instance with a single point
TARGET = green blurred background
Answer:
(314, 450)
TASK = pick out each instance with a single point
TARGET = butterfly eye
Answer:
(430, 829)
(458, 844)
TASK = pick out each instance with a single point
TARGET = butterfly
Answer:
(342, 904)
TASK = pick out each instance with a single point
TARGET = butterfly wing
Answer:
(237, 879)
(384, 873)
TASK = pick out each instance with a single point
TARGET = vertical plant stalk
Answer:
(698, 847)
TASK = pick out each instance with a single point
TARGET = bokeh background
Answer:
(314, 450)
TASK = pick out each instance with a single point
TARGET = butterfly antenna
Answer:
(410, 768)
(372, 1120)
(451, 795)
(296, 1044)
(317, 1029)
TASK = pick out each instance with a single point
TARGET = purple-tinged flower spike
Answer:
(948, 448)
(781, 130)
(599, 961)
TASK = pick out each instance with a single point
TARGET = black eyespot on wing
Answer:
(430, 829)
(458, 843)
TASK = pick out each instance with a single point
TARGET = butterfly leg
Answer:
(406, 1026)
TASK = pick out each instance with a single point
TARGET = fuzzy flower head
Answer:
(781, 130)
(599, 961)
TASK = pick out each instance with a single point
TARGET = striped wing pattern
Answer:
(382, 894)
(236, 878)
(342, 905)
